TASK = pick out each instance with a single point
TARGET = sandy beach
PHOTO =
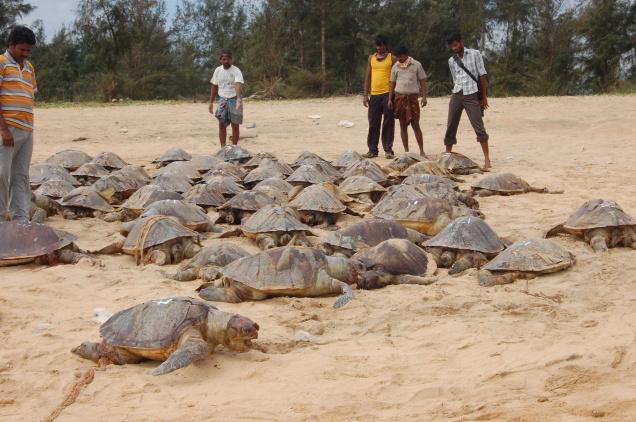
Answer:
(557, 348)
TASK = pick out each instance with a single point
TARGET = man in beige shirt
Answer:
(408, 79)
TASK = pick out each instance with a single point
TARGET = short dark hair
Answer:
(382, 40)
(226, 52)
(21, 35)
(401, 50)
(455, 37)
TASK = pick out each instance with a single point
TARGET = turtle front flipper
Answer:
(191, 350)
(414, 279)
(470, 260)
(186, 275)
(554, 231)
(220, 294)
(112, 249)
(488, 279)
(345, 289)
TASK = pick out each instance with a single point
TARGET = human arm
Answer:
(213, 93)
(367, 84)
(7, 136)
(424, 90)
(483, 81)
(239, 101)
(391, 95)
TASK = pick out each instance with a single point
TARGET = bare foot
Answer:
(487, 166)
(423, 154)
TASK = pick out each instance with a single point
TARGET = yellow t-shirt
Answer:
(381, 74)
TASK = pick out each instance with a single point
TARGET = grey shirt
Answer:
(407, 80)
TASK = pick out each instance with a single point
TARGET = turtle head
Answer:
(345, 269)
(373, 279)
(240, 333)
(87, 350)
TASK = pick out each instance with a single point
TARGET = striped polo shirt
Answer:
(17, 90)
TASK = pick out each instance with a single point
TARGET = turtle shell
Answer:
(225, 169)
(354, 185)
(317, 198)
(425, 167)
(403, 161)
(55, 189)
(503, 182)
(248, 201)
(421, 179)
(598, 213)
(173, 182)
(147, 195)
(273, 218)
(136, 172)
(347, 159)
(399, 192)
(532, 255)
(182, 168)
(225, 185)
(256, 160)
(261, 173)
(366, 168)
(109, 160)
(425, 215)
(285, 271)
(91, 170)
(160, 229)
(468, 233)
(218, 255)
(40, 173)
(276, 182)
(205, 163)
(307, 158)
(155, 325)
(116, 183)
(309, 174)
(454, 162)
(22, 242)
(396, 256)
(172, 155)
(233, 154)
(203, 196)
(70, 159)
(441, 190)
(366, 233)
(275, 193)
(190, 215)
(86, 197)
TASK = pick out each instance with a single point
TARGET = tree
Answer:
(10, 11)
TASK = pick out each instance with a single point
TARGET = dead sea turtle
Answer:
(308, 158)
(84, 202)
(317, 204)
(70, 159)
(206, 263)
(447, 191)
(266, 170)
(156, 240)
(189, 215)
(136, 172)
(173, 182)
(426, 215)
(89, 173)
(226, 169)
(467, 242)
(525, 259)
(242, 206)
(603, 224)
(256, 160)
(280, 196)
(117, 187)
(277, 183)
(286, 271)
(428, 167)
(233, 154)
(55, 189)
(175, 331)
(139, 201)
(40, 173)
(394, 261)
(306, 175)
(365, 234)
(225, 185)
(402, 162)
(171, 156)
(420, 179)
(457, 163)
(22, 243)
(182, 168)
(204, 196)
(505, 184)
(362, 188)
(366, 168)
(274, 226)
(109, 160)
(347, 159)
(205, 163)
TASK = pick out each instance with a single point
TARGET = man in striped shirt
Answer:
(17, 90)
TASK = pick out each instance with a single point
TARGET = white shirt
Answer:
(225, 80)
(474, 62)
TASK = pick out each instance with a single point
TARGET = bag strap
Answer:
(461, 65)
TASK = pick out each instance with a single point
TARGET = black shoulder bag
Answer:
(480, 92)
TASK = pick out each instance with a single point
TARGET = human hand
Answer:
(389, 104)
(7, 138)
(239, 104)
(424, 102)
(365, 101)
(211, 108)
(484, 103)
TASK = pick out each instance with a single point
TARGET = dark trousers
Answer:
(458, 103)
(378, 109)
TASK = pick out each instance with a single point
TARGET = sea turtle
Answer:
(171, 156)
(183, 168)
(55, 189)
(402, 162)
(206, 263)
(233, 154)
(117, 187)
(70, 159)
(362, 188)
(603, 224)
(89, 173)
(395, 261)
(37, 214)
(317, 204)
(420, 179)
(109, 160)
(447, 191)
(286, 271)
(457, 163)
(136, 172)
(256, 160)
(175, 331)
(205, 163)
(158, 240)
(139, 201)
(225, 185)
(347, 159)
(204, 196)
(467, 242)
(428, 167)
(188, 214)
(40, 173)
(42, 207)
(84, 202)
(367, 168)
(279, 196)
(243, 205)
(173, 182)
(308, 158)
(274, 226)
(265, 170)
(310, 174)
(22, 243)
(277, 183)
(505, 184)
(365, 234)
(525, 259)
(226, 169)
(425, 214)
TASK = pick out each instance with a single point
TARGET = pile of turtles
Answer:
(323, 227)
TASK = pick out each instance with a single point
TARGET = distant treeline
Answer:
(305, 48)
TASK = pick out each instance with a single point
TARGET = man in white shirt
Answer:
(226, 83)
(467, 67)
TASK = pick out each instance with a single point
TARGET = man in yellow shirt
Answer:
(377, 82)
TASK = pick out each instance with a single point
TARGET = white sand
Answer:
(561, 351)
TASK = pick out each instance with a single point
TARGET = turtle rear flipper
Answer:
(186, 275)
(347, 293)
(112, 249)
(414, 279)
(554, 231)
(193, 349)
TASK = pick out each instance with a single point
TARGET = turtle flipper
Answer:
(347, 293)
(220, 294)
(185, 275)
(190, 351)
(414, 279)
(554, 231)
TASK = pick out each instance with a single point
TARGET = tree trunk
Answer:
(323, 48)
(301, 47)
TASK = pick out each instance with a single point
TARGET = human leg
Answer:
(473, 110)
(388, 126)
(375, 122)
(455, 108)
(20, 205)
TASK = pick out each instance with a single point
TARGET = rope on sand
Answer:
(72, 395)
